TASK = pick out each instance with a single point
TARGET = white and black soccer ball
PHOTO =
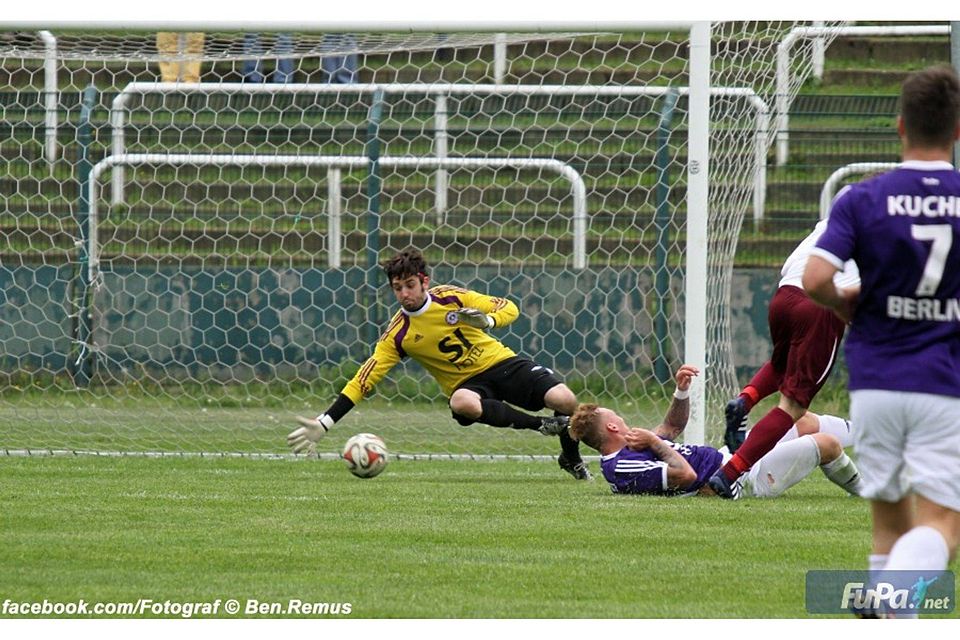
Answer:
(366, 455)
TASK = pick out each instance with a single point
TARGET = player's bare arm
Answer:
(851, 296)
(680, 474)
(819, 285)
(679, 412)
(676, 419)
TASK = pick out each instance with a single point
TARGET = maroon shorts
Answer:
(806, 340)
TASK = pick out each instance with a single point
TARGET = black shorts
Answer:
(516, 380)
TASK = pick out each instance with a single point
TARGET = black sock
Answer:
(499, 414)
(570, 447)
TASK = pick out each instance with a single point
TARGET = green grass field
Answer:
(424, 540)
(427, 539)
(256, 418)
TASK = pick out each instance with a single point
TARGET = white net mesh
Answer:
(224, 278)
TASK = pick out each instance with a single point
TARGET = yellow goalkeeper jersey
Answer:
(448, 349)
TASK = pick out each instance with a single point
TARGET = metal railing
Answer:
(440, 92)
(818, 33)
(52, 92)
(830, 186)
(334, 164)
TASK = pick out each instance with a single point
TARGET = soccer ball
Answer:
(365, 455)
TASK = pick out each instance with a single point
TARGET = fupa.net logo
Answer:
(861, 596)
(910, 592)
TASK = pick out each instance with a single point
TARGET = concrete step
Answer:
(895, 50)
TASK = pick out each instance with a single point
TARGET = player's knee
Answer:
(465, 405)
(808, 424)
(829, 447)
(561, 398)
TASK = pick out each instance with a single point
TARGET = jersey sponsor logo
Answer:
(452, 317)
(462, 353)
(927, 206)
(902, 308)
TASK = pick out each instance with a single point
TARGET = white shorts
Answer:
(784, 466)
(907, 442)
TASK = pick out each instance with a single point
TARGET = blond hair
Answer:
(585, 425)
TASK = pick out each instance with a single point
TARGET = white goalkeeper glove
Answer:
(475, 318)
(306, 436)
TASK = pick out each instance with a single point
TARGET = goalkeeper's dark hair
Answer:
(930, 107)
(585, 425)
(405, 264)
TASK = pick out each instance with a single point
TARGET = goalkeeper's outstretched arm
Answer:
(311, 430)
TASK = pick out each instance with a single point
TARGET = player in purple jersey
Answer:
(903, 348)
(650, 462)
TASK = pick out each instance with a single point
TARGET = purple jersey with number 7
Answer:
(903, 230)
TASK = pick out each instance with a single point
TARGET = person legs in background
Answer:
(284, 71)
(175, 47)
(340, 68)
(253, 70)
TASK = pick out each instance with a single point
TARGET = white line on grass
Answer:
(274, 456)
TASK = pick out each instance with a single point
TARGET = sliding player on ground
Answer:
(650, 462)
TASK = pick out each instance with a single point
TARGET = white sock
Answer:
(877, 561)
(920, 549)
(791, 434)
(837, 427)
(843, 473)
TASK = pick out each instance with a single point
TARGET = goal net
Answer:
(192, 223)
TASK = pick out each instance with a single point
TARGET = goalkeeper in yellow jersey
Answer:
(444, 328)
